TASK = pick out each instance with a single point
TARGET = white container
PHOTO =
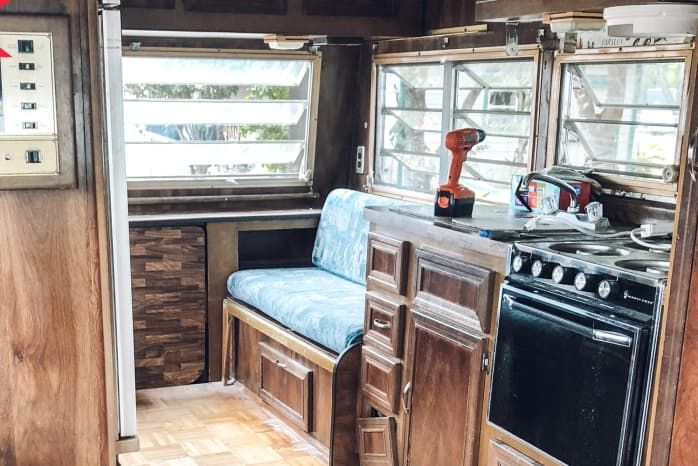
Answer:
(660, 20)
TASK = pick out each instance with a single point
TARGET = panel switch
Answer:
(33, 156)
(28, 105)
(27, 66)
(25, 46)
(27, 86)
(29, 125)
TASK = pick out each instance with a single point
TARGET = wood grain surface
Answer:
(168, 268)
(213, 425)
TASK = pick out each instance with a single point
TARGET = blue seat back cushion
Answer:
(340, 244)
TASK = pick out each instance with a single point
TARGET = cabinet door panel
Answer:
(460, 292)
(387, 263)
(445, 395)
(377, 441)
(380, 376)
(383, 327)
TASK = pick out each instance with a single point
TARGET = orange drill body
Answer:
(454, 199)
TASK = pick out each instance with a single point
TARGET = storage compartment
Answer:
(387, 263)
(275, 248)
(462, 292)
(381, 379)
(286, 385)
(500, 454)
(384, 325)
(377, 440)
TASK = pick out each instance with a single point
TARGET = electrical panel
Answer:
(28, 133)
(37, 119)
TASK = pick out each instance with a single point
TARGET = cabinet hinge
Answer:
(486, 362)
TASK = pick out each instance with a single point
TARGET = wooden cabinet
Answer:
(500, 454)
(381, 379)
(287, 385)
(384, 324)
(377, 441)
(387, 263)
(443, 397)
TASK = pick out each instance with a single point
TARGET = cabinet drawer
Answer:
(500, 454)
(462, 292)
(377, 440)
(387, 263)
(286, 385)
(384, 325)
(380, 378)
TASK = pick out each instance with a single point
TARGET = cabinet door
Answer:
(444, 395)
(377, 441)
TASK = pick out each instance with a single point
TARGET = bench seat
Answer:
(316, 304)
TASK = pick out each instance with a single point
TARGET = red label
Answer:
(4, 54)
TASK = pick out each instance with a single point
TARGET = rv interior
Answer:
(333, 232)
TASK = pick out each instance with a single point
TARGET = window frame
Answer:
(443, 57)
(605, 55)
(218, 183)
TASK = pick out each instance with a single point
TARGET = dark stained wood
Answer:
(377, 441)
(262, 7)
(384, 323)
(448, 13)
(360, 8)
(168, 279)
(56, 401)
(445, 393)
(387, 263)
(287, 385)
(461, 290)
(343, 449)
(152, 4)
(500, 454)
(388, 18)
(380, 377)
(498, 10)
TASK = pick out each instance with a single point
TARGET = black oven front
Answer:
(568, 379)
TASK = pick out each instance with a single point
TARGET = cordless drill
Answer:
(453, 199)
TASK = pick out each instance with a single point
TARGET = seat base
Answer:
(330, 392)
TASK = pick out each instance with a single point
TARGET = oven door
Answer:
(566, 380)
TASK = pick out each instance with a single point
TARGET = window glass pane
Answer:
(409, 126)
(496, 96)
(622, 117)
(216, 117)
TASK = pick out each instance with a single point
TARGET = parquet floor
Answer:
(213, 425)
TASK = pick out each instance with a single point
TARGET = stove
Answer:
(575, 349)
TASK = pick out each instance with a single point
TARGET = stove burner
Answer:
(650, 266)
(589, 249)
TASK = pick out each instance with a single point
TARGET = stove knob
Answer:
(586, 282)
(608, 288)
(541, 269)
(563, 275)
(521, 264)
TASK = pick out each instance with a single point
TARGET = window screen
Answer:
(241, 119)
(621, 118)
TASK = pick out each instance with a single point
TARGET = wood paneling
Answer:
(360, 8)
(380, 377)
(54, 311)
(462, 291)
(152, 4)
(377, 441)
(287, 385)
(262, 7)
(387, 263)
(384, 323)
(448, 13)
(445, 394)
(168, 273)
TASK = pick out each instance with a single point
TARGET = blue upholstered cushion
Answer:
(340, 244)
(322, 307)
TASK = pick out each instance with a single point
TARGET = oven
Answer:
(569, 380)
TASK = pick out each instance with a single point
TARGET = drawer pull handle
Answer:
(280, 364)
(405, 395)
(381, 324)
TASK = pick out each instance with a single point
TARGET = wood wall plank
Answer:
(54, 403)
(168, 272)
